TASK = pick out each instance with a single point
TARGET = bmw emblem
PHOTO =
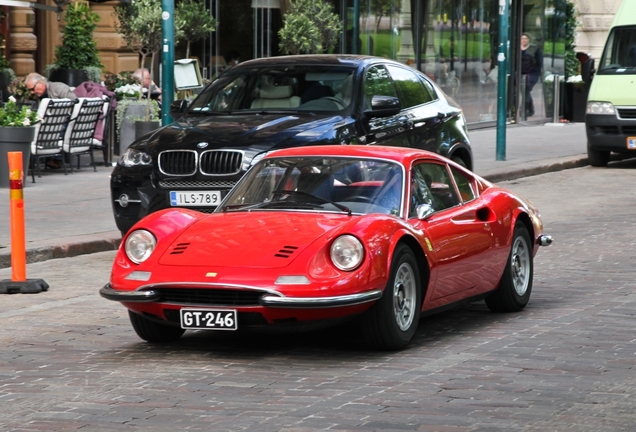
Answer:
(202, 145)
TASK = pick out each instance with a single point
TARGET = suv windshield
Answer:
(619, 56)
(278, 88)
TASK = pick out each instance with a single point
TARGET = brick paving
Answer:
(70, 360)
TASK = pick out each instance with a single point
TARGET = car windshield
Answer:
(278, 88)
(619, 56)
(348, 185)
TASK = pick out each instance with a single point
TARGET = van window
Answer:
(619, 56)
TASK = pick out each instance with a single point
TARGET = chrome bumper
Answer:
(544, 240)
(267, 300)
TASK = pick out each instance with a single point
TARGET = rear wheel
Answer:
(597, 158)
(391, 322)
(514, 289)
(153, 331)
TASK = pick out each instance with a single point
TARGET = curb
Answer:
(544, 169)
(66, 250)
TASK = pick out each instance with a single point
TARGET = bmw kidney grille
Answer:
(210, 162)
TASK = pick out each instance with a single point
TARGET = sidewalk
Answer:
(71, 215)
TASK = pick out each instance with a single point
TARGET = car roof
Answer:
(317, 59)
(402, 155)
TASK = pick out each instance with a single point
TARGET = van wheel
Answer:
(597, 158)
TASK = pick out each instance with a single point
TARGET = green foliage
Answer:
(18, 89)
(571, 62)
(310, 27)
(78, 49)
(12, 115)
(122, 106)
(192, 22)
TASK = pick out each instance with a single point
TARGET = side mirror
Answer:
(178, 107)
(424, 210)
(383, 106)
(587, 71)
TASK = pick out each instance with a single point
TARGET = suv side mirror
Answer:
(383, 106)
(587, 71)
(178, 107)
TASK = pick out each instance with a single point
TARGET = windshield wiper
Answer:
(313, 197)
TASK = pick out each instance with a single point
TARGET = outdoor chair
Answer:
(78, 138)
(54, 116)
(103, 124)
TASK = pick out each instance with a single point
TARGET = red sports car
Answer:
(318, 235)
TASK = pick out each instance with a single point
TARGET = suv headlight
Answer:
(600, 108)
(139, 245)
(132, 157)
(347, 252)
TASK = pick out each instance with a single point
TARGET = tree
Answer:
(310, 27)
(192, 22)
(78, 49)
(139, 23)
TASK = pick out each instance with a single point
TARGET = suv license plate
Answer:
(631, 143)
(195, 198)
(209, 319)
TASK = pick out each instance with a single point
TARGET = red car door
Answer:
(458, 235)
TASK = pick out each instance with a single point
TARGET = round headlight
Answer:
(347, 252)
(139, 246)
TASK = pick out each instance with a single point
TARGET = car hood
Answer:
(247, 132)
(249, 239)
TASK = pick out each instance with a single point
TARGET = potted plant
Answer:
(575, 94)
(192, 22)
(310, 27)
(16, 134)
(77, 59)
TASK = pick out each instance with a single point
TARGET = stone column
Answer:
(406, 53)
(22, 40)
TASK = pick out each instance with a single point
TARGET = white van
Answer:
(610, 120)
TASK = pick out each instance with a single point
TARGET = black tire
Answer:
(391, 322)
(515, 287)
(153, 331)
(597, 158)
(459, 161)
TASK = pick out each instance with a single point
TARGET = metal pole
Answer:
(502, 79)
(556, 99)
(356, 27)
(167, 60)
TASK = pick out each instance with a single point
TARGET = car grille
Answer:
(627, 113)
(211, 162)
(209, 297)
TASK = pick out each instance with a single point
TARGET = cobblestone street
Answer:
(71, 361)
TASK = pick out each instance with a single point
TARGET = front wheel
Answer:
(153, 331)
(514, 289)
(597, 158)
(391, 322)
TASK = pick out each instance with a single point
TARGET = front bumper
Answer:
(267, 300)
(609, 132)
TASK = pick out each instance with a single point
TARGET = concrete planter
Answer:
(14, 139)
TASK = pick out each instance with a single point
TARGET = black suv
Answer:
(279, 102)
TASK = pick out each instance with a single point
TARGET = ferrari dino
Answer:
(314, 236)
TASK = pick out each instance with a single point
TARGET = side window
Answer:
(465, 185)
(432, 185)
(377, 82)
(410, 89)
(430, 89)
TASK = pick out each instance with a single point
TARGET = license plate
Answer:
(631, 143)
(209, 319)
(195, 198)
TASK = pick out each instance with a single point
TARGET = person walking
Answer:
(531, 67)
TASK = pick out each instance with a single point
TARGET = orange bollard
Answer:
(16, 198)
(18, 283)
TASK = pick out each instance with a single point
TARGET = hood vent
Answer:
(286, 251)
(179, 248)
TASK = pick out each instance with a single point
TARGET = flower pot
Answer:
(70, 77)
(575, 102)
(145, 127)
(14, 139)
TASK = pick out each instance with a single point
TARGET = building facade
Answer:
(454, 42)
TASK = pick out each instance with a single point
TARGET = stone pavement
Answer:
(71, 215)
